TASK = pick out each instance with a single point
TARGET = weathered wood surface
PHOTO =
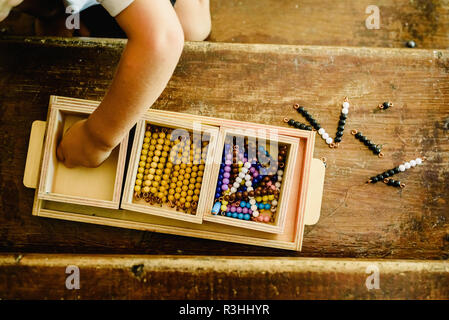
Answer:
(330, 22)
(255, 83)
(311, 22)
(148, 277)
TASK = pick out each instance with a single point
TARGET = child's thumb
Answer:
(60, 153)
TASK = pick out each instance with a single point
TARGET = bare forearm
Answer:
(145, 68)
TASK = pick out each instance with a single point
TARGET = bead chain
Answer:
(372, 146)
(396, 170)
(176, 181)
(394, 183)
(247, 174)
(341, 123)
(297, 124)
(385, 105)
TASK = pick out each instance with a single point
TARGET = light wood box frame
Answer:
(128, 198)
(305, 207)
(278, 226)
(59, 112)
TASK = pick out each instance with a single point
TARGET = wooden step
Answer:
(43, 276)
(310, 22)
(256, 83)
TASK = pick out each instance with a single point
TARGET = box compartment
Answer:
(99, 186)
(195, 130)
(263, 138)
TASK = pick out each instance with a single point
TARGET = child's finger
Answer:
(60, 154)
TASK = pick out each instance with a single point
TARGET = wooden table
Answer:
(256, 83)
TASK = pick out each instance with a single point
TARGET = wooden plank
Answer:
(330, 22)
(39, 276)
(306, 22)
(255, 83)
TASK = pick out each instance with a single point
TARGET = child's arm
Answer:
(155, 43)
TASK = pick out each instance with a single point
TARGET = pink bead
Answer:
(255, 174)
(250, 211)
(269, 183)
(245, 210)
(227, 168)
(273, 187)
(259, 218)
(239, 209)
(228, 162)
(266, 218)
(229, 156)
(252, 169)
(226, 175)
(233, 209)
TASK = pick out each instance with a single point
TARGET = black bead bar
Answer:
(372, 146)
(385, 105)
(297, 124)
(383, 175)
(307, 116)
(394, 183)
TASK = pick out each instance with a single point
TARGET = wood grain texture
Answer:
(330, 22)
(167, 277)
(303, 22)
(255, 83)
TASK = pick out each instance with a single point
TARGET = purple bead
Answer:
(245, 210)
(252, 169)
(228, 207)
(229, 156)
(250, 211)
(228, 162)
(245, 160)
(224, 187)
(225, 181)
(233, 209)
(227, 169)
(226, 175)
(239, 209)
(255, 174)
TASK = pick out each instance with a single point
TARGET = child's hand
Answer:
(79, 148)
(6, 6)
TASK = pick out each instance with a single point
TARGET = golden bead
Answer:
(137, 188)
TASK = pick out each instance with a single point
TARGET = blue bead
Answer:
(220, 177)
(248, 205)
(217, 195)
(240, 216)
(222, 171)
(242, 204)
(246, 216)
(229, 213)
(234, 214)
(267, 206)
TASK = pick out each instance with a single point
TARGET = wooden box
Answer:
(299, 199)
